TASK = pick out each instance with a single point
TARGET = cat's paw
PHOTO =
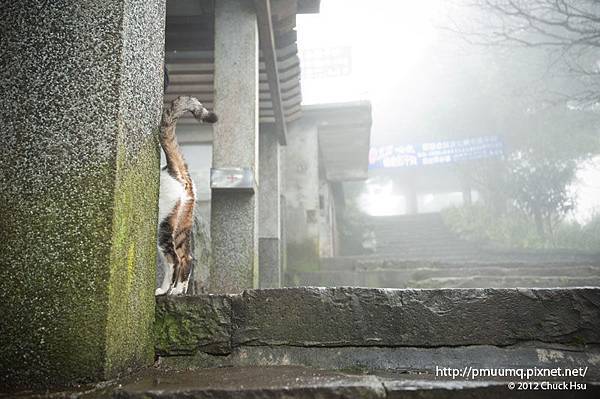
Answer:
(159, 291)
(179, 289)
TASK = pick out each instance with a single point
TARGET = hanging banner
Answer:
(433, 153)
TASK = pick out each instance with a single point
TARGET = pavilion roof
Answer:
(190, 55)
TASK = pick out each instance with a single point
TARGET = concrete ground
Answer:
(302, 382)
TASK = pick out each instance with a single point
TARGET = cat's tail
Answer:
(175, 163)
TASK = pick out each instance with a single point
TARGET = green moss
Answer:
(129, 338)
(185, 325)
(173, 334)
(579, 341)
(303, 256)
(73, 317)
(53, 302)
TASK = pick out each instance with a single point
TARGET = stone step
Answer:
(408, 252)
(506, 282)
(424, 239)
(409, 236)
(425, 242)
(382, 329)
(403, 279)
(498, 260)
(420, 218)
(412, 227)
(427, 271)
(432, 257)
(301, 382)
(367, 343)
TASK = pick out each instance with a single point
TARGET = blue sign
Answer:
(439, 152)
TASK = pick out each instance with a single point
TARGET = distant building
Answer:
(328, 146)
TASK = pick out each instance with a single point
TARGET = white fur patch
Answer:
(171, 191)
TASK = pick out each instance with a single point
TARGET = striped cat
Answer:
(177, 199)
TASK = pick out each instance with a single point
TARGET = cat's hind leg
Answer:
(167, 269)
(168, 255)
(183, 247)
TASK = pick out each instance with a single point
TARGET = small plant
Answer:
(515, 229)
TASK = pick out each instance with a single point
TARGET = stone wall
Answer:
(367, 329)
(81, 88)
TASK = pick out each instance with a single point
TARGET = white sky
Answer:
(387, 38)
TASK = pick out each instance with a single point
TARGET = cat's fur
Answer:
(177, 199)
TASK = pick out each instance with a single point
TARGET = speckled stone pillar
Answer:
(234, 214)
(269, 210)
(81, 92)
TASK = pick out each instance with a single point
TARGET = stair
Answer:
(419, 251)
(365, 343)
(371, 343)
(423, 236)
(372, 271)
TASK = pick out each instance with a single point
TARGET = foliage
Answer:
(514, 229)
(543, 149)
(482, 225)
(575, 235)
(539, 187)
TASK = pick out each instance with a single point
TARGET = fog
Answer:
(427, 83)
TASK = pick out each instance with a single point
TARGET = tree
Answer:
(568, 29)
(539, 187)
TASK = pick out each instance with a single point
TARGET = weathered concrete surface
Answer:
(300, 382)
(410, 332)
(270, 262)
(187, 325)
(401, 359)
(375, 318)
(234, 214)
(252, 382)
(423, 318)
(81, 86)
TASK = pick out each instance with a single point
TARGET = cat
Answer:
(177, 199)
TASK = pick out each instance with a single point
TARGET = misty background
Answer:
(435, 70)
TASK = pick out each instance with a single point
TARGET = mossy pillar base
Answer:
(81, 86)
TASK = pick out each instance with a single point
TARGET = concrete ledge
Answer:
(186, 325)
(358, 317)
(423, 318)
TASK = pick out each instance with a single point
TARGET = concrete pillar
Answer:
(269, 211)
(412, 201)
(81, 86)
(234, 214)
(301, 187)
